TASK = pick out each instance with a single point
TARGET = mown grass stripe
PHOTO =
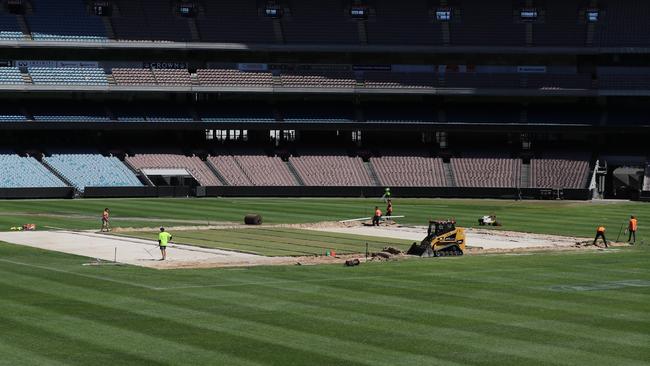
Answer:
(254, 332)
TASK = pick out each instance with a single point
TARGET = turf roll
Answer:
(253, 219)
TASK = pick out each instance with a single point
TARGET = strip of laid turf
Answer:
(564, 309)
(548, 217)
(278, 241)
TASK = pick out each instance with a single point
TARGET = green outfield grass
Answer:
(550, 217)
(565, 309)
(278, 241)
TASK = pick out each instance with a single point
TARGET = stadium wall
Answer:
(20, 193)
(312, 191)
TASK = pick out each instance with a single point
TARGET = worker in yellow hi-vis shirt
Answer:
(163, 239)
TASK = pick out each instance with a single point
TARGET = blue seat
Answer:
(91, 76)
(25, 172)
(93, 170)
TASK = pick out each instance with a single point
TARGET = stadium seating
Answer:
(92, 170)
(317, 113)
(403, 23)
(236, 112)
(473, 23)
(172, 77)
(403, 113)
(193, 164)
(318, 79)
(558, 81)
(252, 169)
(234, 21)
(20, 172)
(563, 114)
(89, 76)
(483, 113)
(64, 20)
(562, 26)
(624, 81)
(234, 78)
(11, 117)
(9, 28)
(163, 24)
(560, 171)
(148, 20)
(309, 19)
(146, 112)
(326, 169)
(624, 24)
(486, 170)
(480, 80)
(487, 23)
(387, 80)
(10, 75)
(646, 178)
(627, 116)
(69, 112)
(409, 170)
(131, 76)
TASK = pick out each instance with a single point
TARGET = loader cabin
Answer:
(441, 227)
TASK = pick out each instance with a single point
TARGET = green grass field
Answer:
(565, 309)
(278, 241)
(549, 217)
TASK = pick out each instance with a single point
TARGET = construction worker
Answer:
(389, 207)
(163, 239)
(377, 217)
(106, 225)
(600, 233)
(631, 228)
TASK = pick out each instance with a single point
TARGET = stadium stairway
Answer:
(524, 178)
(108, 27)
(372, 173)
(216, 172)
(293, 171)
(24, 27)
(449, 175)
(141, 176)
(56, 173)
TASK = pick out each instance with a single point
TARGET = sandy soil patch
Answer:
(476, 238)
(140, 252)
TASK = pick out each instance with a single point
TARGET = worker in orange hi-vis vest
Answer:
(631, 228)
(600, 233)
(377, 217)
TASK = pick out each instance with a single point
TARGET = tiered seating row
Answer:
(93, 170)
(193, 164)
(314, 169)
(486, 172)
(409, 171)
(24, 172)
(89, 76)
(473, 23)
(252, 170)
(560, 172)
(331, 170)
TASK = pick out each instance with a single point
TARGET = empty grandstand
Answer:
(25, 172)
(438, 98)
(92, 170)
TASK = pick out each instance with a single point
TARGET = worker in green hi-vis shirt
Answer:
(163, 239)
